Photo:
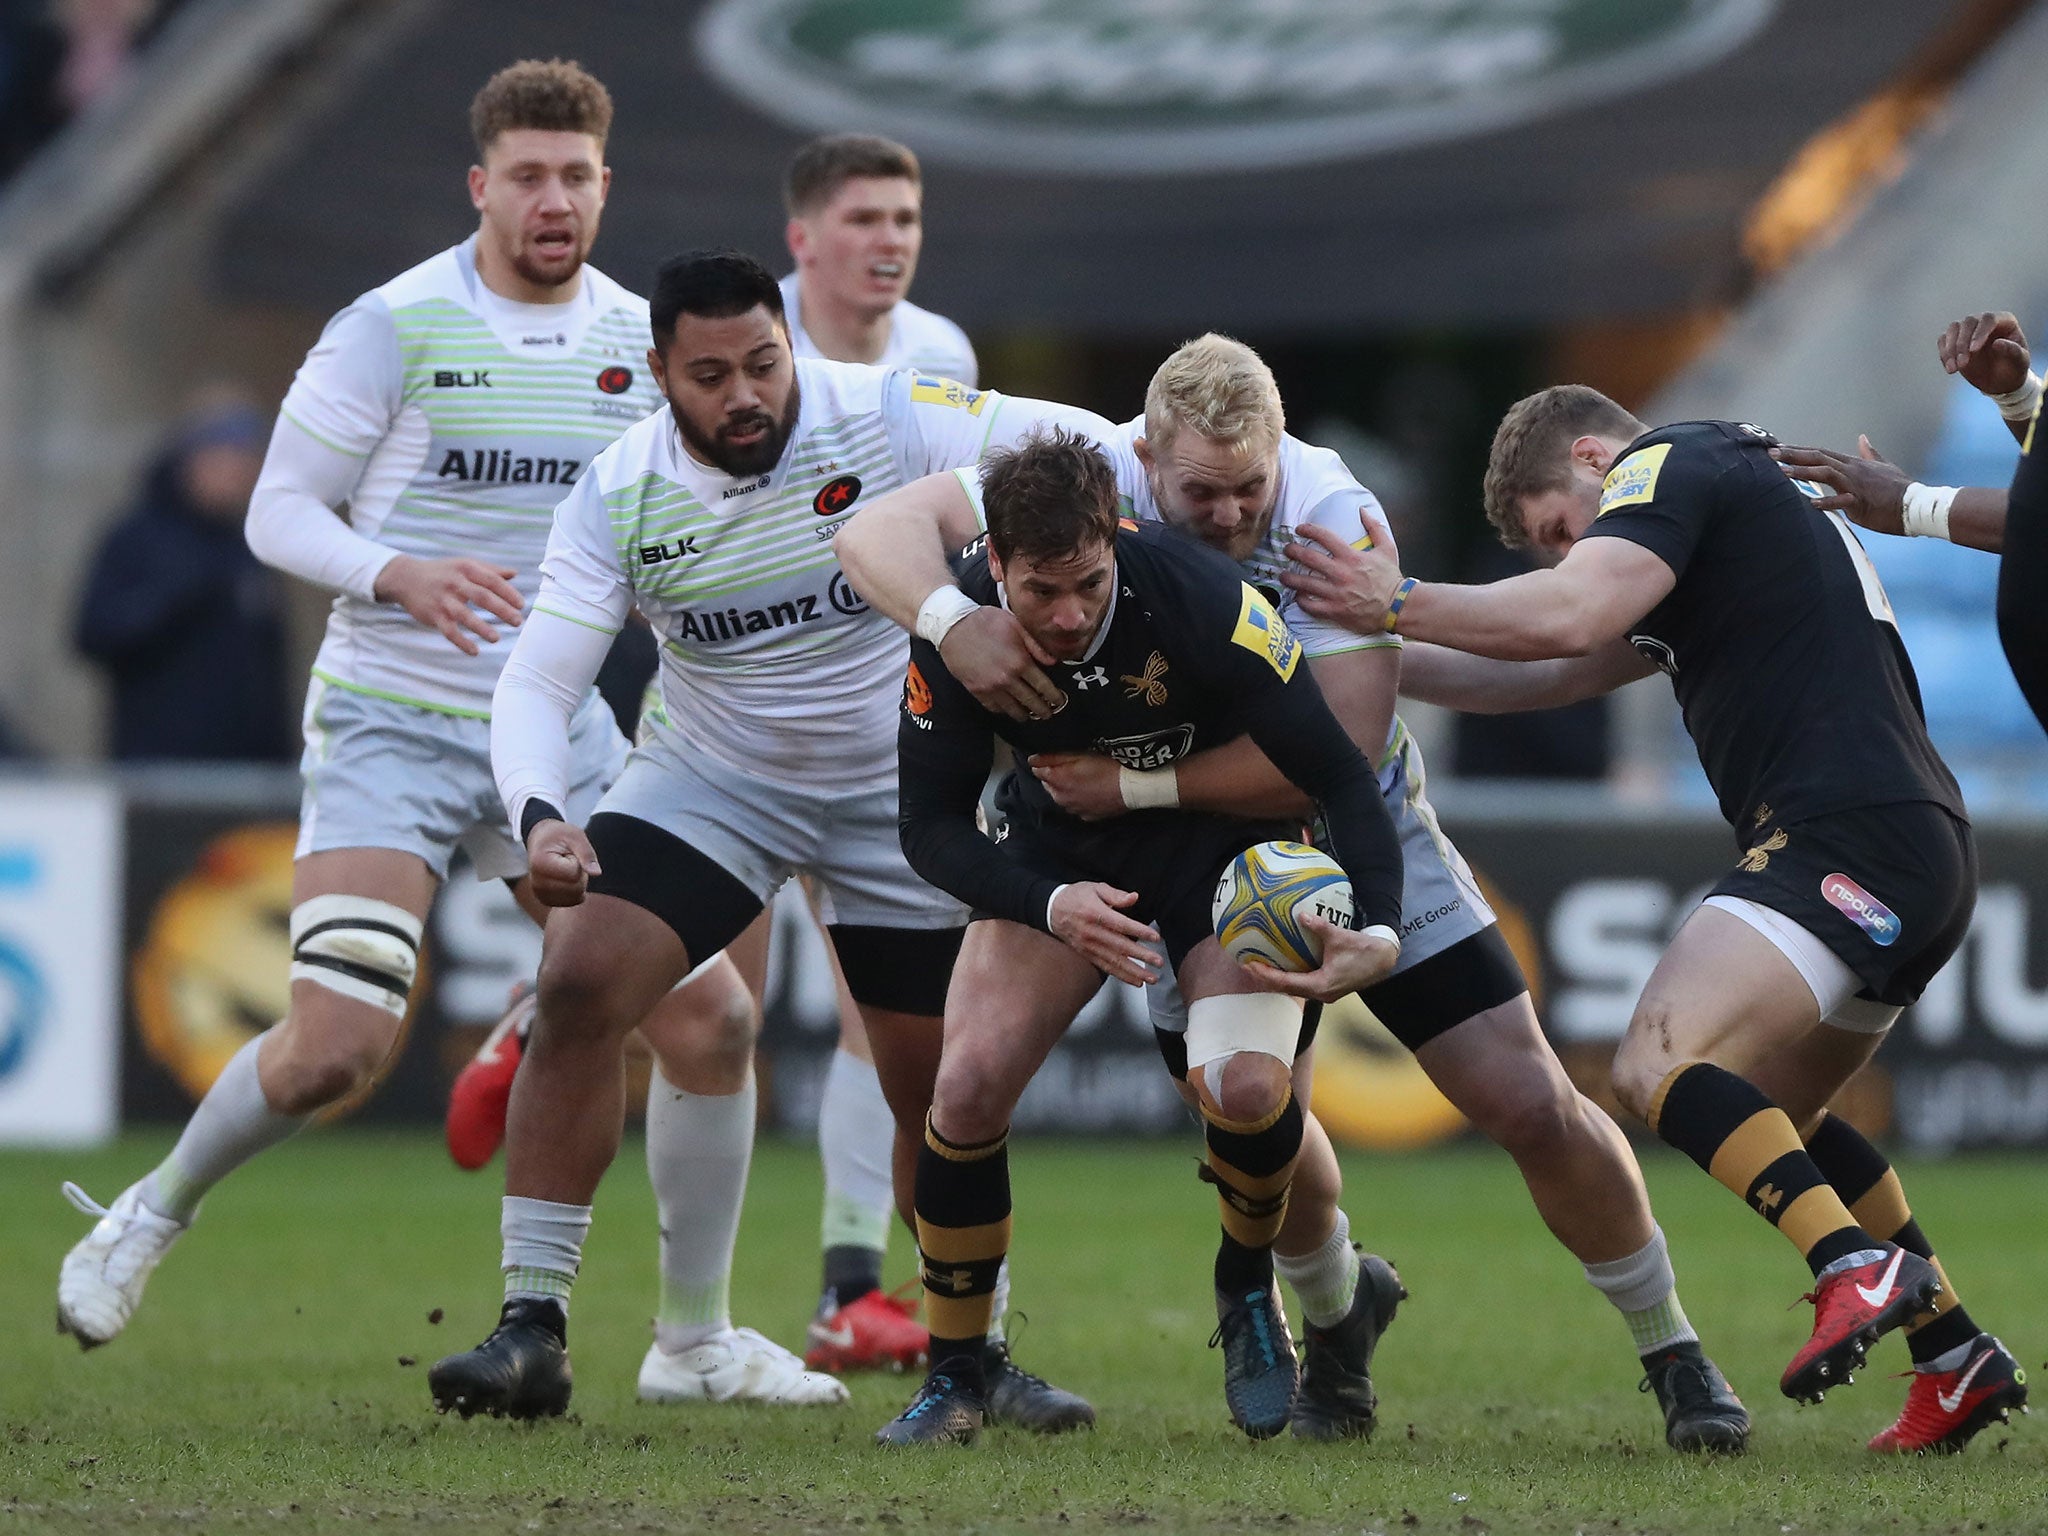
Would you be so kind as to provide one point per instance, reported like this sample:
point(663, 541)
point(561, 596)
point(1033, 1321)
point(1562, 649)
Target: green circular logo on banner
point(1113, 87)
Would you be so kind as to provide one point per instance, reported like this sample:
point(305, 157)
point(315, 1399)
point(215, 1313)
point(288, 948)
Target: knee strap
point(1266, 1022)
point(359, 947)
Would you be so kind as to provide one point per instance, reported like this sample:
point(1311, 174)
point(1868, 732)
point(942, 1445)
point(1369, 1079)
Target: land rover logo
point(1105, 87)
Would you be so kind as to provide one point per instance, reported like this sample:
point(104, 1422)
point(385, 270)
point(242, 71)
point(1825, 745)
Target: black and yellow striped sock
point(963, 1231)
point(1870, 1188)
point(1726, 1125)
point(1251, 1163)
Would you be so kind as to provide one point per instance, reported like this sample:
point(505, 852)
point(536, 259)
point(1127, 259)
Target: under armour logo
point(955, 1280)
point(1094, 677)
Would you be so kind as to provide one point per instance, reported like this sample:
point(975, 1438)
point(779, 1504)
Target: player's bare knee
point(1246, 1086)
point(1642, 1061)
point(580, 998)
point(317, 1060)
point(1241, 1052)
point(1530, 1116)
point(970, 1102)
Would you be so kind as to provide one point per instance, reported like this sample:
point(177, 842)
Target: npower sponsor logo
point(1112, 88)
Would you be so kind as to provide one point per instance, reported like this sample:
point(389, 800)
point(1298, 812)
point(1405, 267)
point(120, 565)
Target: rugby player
point(1689, 550)
point(770, 758)
point(855, 205)
point(1152, 641)
point(1212, 457)
point(448, 409)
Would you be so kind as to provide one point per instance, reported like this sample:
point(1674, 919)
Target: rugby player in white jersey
point(449, 410)
point(1211, 456)
point(773, 757)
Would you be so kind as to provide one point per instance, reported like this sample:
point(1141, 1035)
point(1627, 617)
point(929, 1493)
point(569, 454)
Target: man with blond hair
point(450, 409)
point(1212, 457)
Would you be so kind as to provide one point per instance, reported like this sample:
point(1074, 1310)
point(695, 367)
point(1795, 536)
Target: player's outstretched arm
point(1875, 493)
point(1480, 685)
point(894, 553)
point(1989, 351)
point(1591, 597)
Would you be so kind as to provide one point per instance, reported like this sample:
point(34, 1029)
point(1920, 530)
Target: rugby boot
point(1335, 1400)
point(520, 1372)
point(1017, 1398)
point(1259, 1369)
point(1945, 1408)
point(949, 1409)
point(482, 1090)
point(1701, 1411)
point(874, 1332)
point(1852, 1308)
point(100, 1283)
point(735, 1365)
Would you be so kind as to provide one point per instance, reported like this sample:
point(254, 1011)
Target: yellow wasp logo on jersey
point(1634, 480)
point(1264, 633)
point(925, 390)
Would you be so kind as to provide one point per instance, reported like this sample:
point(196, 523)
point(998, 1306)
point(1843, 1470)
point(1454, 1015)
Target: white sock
point(232, 1124)
point(856, 1140)
point(543, 1247)
point(1001, 1301)
point(1645, 1291)
point(1326, 1281)
point(698, 1149)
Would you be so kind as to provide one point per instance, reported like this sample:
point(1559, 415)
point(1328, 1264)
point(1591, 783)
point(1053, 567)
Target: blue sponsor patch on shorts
point(1862, 909)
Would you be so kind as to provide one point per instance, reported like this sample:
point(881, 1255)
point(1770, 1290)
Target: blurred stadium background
point(1418, 211)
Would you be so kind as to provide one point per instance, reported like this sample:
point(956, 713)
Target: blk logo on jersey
point(1862, 909)
point(476, 378)
point(663, 552)
point(615, 380)
point(836, 495)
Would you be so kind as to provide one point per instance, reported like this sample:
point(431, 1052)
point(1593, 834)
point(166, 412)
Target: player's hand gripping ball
point(1267, 890)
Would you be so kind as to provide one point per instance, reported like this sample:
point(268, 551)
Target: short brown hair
point(557, 96)
point(823, 166)
point(1532, 449)
point(1050, 497)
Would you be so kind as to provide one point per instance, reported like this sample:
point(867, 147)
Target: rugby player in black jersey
point(1157, 649)
point(1689, 550)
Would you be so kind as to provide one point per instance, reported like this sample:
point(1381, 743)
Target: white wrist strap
point(2020, 403)
point(1924, 512)
point(1149, 789)
point(940, 611)
point(1055, 896)
point(1382, 931)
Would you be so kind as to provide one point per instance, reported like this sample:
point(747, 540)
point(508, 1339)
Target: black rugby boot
point(949, 1409)
point(1259, 1369)
point(1018, 1398)
point(520, 1372)
point(1701, 1411)
point(1336, 1400)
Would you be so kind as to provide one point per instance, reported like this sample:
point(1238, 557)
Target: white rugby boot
point(736, 1365)
point(100, 1284)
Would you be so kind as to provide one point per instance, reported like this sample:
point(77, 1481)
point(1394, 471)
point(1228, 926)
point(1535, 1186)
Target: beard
point(545, 272)
point(743, 460)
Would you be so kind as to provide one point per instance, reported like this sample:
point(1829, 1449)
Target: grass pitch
point(276, 1376)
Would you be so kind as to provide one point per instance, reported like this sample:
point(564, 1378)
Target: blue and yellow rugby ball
point(1267, 890)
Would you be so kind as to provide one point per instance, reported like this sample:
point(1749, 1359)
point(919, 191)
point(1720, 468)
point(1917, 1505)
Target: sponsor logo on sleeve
point(1264, 633)
point(925, 390)
point(1633, 481)
point(1862, 909)
point(917, 695)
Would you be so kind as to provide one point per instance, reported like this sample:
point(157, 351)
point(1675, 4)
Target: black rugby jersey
point(2023, 572)
point(1778, 638)
point(1189, 657)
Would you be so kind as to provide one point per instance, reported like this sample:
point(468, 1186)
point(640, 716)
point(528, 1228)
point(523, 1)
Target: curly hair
point(1050, 497)
point(555, 96)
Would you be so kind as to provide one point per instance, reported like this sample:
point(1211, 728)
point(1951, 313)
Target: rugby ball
point(1267, 890)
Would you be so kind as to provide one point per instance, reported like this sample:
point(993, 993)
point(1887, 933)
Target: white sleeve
point(549, 671)
point(584, 598)
point(292, 522)
point(341, 404)
point(937, 424)
point(1343, 513)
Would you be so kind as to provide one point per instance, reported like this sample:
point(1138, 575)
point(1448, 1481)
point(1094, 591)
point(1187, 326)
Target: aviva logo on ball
point(1266, 892)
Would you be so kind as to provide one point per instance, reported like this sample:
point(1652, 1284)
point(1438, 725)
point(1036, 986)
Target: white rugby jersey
point(472, 415)
point(770, 663)
point(918, 339)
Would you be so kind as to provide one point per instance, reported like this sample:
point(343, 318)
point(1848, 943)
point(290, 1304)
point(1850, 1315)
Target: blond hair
point(1218, 388)
point(1532, 449)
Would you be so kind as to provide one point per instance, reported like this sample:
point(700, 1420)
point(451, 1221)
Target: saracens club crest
point(836, 495)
